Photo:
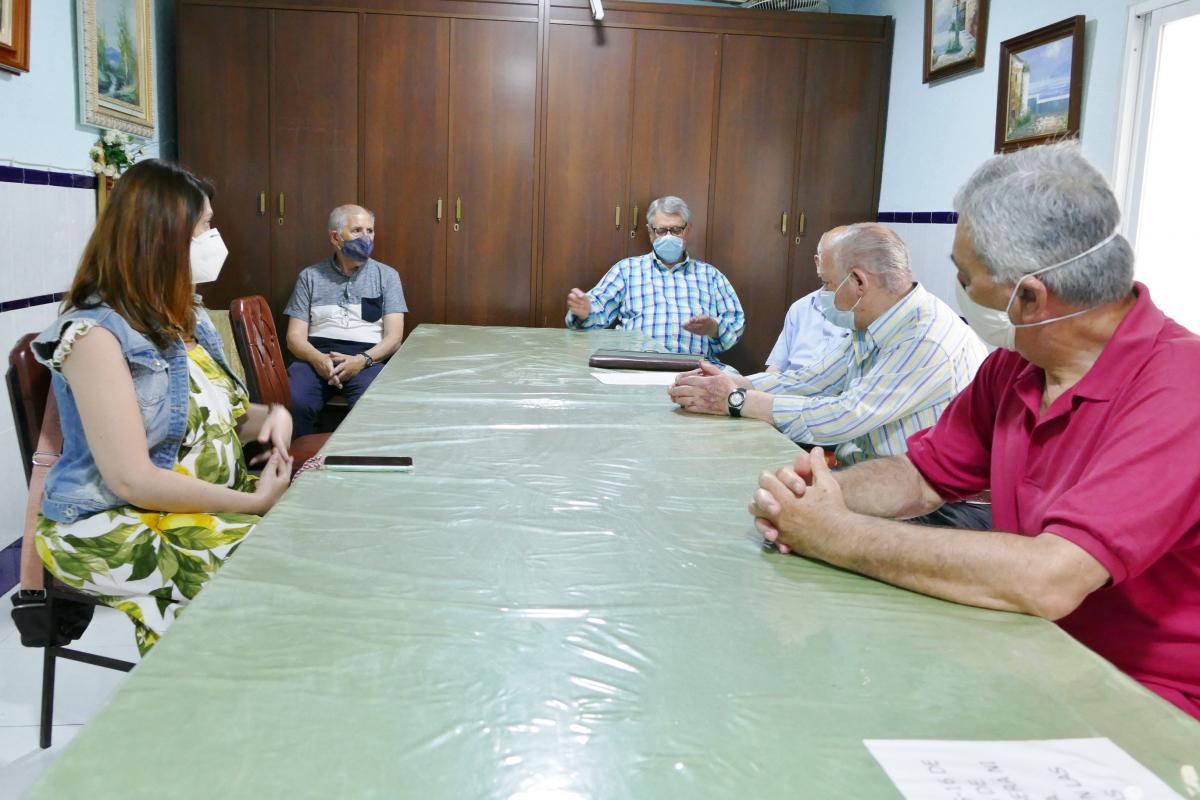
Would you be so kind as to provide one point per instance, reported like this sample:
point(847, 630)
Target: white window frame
point(1133, 120)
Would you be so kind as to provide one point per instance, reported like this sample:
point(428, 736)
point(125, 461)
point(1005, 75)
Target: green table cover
point(567, 599)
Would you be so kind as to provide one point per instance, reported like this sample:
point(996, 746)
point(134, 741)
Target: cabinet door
point(674, 80)
point(493, 75)
point(586, 218)
point(314, 137)
point(404, 153)
point(222, 94)
point(840, 139)
point(749, 235)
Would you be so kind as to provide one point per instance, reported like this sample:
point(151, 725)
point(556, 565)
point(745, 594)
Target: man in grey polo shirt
point(347, 316)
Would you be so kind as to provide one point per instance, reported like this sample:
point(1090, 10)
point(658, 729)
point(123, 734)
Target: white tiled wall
point(929, 248)
point(43, 230)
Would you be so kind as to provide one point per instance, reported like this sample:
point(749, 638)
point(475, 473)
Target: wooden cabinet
point(493, 76)
point(223, 67)
point(510, 147)
point(675, 78)
point(314, 137)
point(405, 145)
point(753, 215)
point(587, 216)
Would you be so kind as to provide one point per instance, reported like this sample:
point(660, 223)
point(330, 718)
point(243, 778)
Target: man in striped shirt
point(683, 305)
point(908, 354)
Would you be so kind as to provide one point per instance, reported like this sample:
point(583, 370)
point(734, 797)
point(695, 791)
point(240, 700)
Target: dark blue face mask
point(358, 249)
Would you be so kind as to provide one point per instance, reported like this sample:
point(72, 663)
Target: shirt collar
point(682, 265)
point(1131, 344)
point(337, 268)
point(897, 318)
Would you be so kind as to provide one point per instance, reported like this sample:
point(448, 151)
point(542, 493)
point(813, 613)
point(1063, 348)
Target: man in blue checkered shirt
point(683, 305)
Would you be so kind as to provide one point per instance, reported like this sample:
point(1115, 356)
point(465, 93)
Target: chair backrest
point(28, 387)
point(259, 350)
point(220, 321)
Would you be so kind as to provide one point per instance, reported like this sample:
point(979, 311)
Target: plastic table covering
point(567, 599)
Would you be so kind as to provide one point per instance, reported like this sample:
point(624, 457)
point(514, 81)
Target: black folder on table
point(637, 359)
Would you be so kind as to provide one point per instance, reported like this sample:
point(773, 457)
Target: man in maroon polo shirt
point(1082, 424)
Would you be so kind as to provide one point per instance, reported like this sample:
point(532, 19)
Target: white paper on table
point(1051, 769)
point(635, 377)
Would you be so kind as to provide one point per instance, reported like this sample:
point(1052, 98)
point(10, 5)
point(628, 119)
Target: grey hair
point(339, 216)
point(878, 250)
point(669, 205)
point(1042, 205)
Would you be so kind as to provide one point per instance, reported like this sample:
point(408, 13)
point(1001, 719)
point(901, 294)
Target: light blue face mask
point(669, 248)
point(843, 319)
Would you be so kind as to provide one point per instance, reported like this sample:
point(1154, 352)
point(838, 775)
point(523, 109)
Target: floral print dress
point(149, 564)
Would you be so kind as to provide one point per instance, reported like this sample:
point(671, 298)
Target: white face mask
point(993, 325)
point(841, 318)
point(208, 256)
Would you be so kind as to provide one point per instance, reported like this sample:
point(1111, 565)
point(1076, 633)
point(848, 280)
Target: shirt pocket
point(150, 378)
point(372, 309)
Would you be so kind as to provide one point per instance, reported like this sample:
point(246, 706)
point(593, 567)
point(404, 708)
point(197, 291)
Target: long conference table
point(567, 599)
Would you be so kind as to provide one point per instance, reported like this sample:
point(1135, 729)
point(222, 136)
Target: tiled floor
point(81, 690)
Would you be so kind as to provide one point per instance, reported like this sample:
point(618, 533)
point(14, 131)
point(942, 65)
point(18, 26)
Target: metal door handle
point(439, 210)
point(783, 224)
point(281, 208)
point(262, 204)
point(633, 227)
point(457, 212)
point(801, 224)
point(618, 216)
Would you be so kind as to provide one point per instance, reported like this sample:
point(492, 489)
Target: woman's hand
point(276, 430)
point(273, 482)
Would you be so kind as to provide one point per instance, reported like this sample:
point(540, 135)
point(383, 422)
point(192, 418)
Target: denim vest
point(74, 487)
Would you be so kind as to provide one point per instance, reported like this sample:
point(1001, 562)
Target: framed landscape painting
point(955, 37)
point(14, 35)
point(1041, 86)
point(116, 65)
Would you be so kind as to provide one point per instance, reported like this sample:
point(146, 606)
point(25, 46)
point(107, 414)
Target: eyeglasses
point(674, 230)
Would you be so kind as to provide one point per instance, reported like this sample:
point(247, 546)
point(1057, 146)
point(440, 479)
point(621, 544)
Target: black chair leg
point(47, 724)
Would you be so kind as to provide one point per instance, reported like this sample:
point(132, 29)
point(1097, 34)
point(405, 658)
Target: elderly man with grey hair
point(682, 304)
point(907, 355)
point(346, 318)
point(1078, 424)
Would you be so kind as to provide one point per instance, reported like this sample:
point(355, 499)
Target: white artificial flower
point(110, 136)
point(97, 167)
point(110, 171)
point(95, 151)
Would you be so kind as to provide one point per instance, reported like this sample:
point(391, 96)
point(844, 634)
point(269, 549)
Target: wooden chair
point(28, 389)
point(266, 373)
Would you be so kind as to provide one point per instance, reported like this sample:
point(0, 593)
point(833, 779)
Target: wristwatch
point(737, 399)
point(370, 361)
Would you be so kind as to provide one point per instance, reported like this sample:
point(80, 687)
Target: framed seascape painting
point(116, 65)
point(14, 35)
point(1041, 86)
point(955, 37)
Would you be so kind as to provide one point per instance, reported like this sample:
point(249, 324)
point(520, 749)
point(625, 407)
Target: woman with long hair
point(152, 492)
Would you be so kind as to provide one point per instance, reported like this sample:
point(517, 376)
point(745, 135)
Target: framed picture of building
point(955, 37)
point(14, 35)
point(1041, 86)
point(116, 65)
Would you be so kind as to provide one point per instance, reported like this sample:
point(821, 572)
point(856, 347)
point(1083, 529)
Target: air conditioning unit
point(782, 5)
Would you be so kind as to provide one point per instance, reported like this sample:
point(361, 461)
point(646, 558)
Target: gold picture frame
point(116, 65)
point(14, 35)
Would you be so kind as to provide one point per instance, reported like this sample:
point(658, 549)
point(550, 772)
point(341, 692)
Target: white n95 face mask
point(208, 256)
point(994, 326)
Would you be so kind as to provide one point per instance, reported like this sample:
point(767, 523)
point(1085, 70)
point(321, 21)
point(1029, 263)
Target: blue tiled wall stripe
point(44, 177)
point(919, 217)
point(30, 302)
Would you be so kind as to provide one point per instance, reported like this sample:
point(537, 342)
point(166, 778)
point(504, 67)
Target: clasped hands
point(795, 507)
point(338, 368)
point(276, 432)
